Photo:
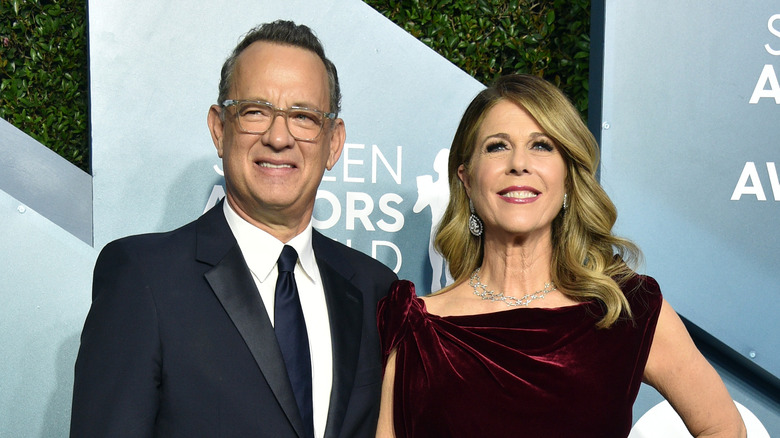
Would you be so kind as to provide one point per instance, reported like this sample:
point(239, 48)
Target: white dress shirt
point(261, 251)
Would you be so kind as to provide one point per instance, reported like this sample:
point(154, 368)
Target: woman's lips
point(519, 194)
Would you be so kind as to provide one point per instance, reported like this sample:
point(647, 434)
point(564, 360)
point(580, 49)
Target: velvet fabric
point(523, 372)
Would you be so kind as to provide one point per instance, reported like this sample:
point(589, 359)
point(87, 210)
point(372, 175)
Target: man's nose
point(278, 136)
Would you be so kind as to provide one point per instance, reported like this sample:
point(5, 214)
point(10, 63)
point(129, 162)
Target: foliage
point(44, 70)
point(43, 73)
point(490, 38)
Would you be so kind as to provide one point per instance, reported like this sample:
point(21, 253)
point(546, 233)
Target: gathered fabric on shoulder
point(522, 372)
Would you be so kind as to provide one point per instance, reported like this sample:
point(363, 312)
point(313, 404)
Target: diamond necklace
point(481, 290)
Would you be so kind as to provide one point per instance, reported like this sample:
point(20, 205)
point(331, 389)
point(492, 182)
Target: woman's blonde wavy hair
point(588, 261)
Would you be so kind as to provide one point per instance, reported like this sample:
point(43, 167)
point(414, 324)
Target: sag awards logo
point(767, 87)
point(435, 195)
point(362, 213)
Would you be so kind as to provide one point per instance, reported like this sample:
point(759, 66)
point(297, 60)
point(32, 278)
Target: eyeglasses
point(256, 117)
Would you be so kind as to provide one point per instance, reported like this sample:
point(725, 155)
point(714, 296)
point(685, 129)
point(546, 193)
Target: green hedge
point(490, 38)
point(43, 73)
point(44, 76)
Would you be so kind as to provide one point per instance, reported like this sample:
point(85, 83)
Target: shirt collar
point(261, 250)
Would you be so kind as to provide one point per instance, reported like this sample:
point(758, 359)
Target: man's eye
point(255, 111)
point(304, 118)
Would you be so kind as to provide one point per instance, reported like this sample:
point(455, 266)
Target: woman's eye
point(495, 147)
point(542, 146)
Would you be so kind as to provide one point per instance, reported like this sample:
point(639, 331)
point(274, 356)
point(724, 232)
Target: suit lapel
point(233, 285)
point(345, 313)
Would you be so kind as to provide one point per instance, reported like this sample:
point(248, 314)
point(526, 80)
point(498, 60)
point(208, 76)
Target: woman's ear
point(463, 176)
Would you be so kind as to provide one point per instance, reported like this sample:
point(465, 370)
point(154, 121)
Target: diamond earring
point(565, 201)
point(475, 223)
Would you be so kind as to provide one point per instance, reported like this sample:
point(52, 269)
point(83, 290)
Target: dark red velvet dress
point(523, 372)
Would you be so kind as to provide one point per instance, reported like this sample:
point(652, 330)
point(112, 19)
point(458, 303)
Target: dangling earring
point(475, 223)
point(565, 201)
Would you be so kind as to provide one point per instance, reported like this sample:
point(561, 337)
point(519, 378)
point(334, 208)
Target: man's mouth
point(275, 166)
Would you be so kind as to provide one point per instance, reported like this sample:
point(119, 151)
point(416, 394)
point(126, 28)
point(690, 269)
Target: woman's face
point(517, 174)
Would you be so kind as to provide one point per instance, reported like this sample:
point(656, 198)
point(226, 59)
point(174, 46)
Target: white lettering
point(770, 167)
point(767, 75)
point(384, 205)
point(376, 153)
point(335, 211)
point(347, 162)
point(774, 31)
point(749, 172)
point(354, 213)
point(398, 258)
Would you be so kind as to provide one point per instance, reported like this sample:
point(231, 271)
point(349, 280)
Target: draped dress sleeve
point(393, 314)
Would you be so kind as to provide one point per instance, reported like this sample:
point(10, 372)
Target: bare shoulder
point(435, 302)
point(455, 300)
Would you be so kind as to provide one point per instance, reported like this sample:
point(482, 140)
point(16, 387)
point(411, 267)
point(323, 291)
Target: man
point(196, 332)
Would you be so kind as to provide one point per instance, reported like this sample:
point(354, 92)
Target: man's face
point(271, 178)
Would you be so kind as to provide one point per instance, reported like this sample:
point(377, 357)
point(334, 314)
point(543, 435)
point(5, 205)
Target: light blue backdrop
point(678, 130)
point(155, 69)
point(154, 72)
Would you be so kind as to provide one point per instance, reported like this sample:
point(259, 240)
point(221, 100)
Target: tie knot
point(287, 259)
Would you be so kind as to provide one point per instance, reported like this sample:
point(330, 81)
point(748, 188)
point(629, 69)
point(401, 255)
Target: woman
point(546, 331)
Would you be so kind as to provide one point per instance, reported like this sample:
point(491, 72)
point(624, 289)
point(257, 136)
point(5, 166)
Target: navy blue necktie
point(290, 329)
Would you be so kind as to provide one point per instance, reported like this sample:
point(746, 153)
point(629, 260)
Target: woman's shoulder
point(643, 293)
point(400, 301)
point(402, 293)
point(640, 282)
point(394, 312)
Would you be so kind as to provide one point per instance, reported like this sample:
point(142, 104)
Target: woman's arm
point(385, 427)
point(683, 376)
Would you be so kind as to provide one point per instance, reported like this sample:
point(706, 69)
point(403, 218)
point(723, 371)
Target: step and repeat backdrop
point(689, 132)
point(154, 71)
point(690, 140)
point(154, 161)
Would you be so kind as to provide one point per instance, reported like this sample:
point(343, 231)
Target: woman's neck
point(519, 266)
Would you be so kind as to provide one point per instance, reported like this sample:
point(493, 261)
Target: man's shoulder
point(336, 253)
point(351, 263)
point(154, 246)
point(209, 223)
point(155, 239)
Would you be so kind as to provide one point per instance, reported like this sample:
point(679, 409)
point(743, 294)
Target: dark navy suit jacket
point(177, 342)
